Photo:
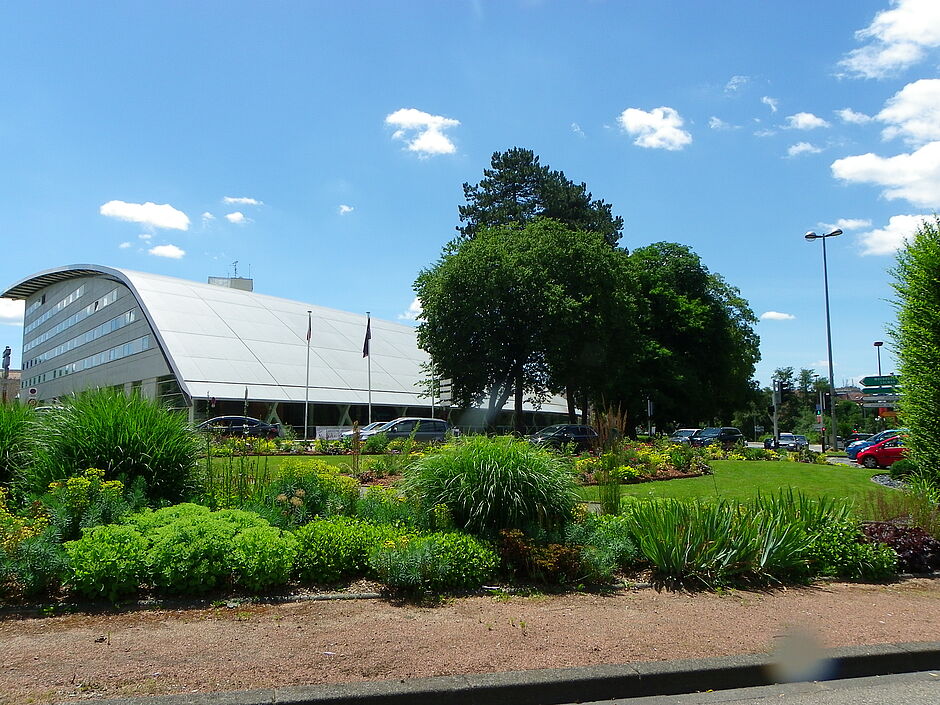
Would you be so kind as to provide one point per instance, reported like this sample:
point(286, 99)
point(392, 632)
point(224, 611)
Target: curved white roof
point(219, 340)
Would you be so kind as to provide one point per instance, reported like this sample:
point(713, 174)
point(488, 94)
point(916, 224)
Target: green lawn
point(273, 463)
point(743, 479)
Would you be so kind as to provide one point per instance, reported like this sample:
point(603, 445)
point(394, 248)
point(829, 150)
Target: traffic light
point(786, 388)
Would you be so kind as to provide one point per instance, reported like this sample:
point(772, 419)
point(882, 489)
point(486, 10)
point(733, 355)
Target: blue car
point(856, 447)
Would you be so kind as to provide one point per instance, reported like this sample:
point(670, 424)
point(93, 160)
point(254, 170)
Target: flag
point(365, 343)
point(309, 326)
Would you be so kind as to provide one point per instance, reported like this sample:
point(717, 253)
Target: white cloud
point(891, 238)
point(576, 128)
point(11, 312)
point(717, 123)
point(736, 83)
point(344, 209)
point(170, 251)
point(413, 313)
point(899, 38)
point(776, 316)
point(846, 224)
point(157, 216)
point(915, 177)
point(207, 216)
point(802, 148)
point(125, 245)
point(913, 113)
point(659, 128)
point(766, 132)
point(144, 236)
point(772, 103)
point(423, 132)
point(237, 217)
point(242, 201)
point(852, 117)
point(805, 121)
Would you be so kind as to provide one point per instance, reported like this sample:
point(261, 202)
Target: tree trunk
point(499, 394)
point(572, 412)
point(519, 425)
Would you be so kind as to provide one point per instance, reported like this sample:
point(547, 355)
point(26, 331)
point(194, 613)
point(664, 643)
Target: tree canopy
point(518, 189)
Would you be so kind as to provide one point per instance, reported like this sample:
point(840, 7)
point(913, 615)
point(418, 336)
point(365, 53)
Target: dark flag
point(365, 344)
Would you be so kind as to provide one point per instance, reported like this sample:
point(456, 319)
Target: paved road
point(905, 689)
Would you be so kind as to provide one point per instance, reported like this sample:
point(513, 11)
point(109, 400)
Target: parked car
point(853, 449)
point(363, 429)
point(584, 437)
point(793, 442)
point(427, 429)
point(883, 453)
point(683, 435)
point(851, 438)
point(727, 436)
point(240, 426)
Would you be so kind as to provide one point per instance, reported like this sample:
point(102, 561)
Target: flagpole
point(307, 385)
point(368, 338)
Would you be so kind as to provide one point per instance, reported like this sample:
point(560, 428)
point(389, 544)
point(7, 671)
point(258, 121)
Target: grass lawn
point(273, 463)
point(743, 479)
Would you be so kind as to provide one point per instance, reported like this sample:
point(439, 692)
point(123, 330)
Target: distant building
point(9, 387)
point(219, 348)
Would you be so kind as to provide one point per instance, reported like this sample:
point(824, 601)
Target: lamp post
point(810, 236)
point(878, 344)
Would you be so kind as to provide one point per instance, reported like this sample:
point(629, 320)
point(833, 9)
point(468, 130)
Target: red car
point(881, 455)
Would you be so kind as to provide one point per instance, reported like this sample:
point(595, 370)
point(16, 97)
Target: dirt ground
point(114, 654)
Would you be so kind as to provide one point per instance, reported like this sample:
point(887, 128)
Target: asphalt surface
point(842, 676)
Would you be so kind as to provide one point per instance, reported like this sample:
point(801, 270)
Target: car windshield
point(683, 433)
point(709, 432)
point(550, 430)
point(800, 438)
point(787, 436)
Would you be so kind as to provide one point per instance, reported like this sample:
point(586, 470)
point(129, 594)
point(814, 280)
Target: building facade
point(220, 348)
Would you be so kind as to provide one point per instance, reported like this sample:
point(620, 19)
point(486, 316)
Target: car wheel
point(870, 462)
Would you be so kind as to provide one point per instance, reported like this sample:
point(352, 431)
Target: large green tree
point(519, 311)
point(698, 347)
point(917, 337)
point(517, 189)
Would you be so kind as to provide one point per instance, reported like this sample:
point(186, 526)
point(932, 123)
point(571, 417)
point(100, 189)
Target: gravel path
point(114, 654)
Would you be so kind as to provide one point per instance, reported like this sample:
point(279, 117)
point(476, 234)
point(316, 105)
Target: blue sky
point(323, 145)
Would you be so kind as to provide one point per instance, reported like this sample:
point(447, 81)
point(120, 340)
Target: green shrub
point(87, 500)
point(37, 565)
point(107, 562)
point(545, 562)
point(840, 551)
point(434, 563)
point(606, 546)
point(489, 484)
point(376, 443)
point(126, 436)
point(14, 439)
point(386, 505)
point(262, 557)
point(191, 554)
point(330, 550)
point(304, 492)
point(902, 469)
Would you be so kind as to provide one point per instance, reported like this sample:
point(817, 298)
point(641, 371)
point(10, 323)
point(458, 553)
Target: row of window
point(97, 332)
point(78, 317)
point(116, 353)
point(55, 309)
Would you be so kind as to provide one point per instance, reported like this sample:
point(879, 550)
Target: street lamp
point(810, 236)
point(878, 344)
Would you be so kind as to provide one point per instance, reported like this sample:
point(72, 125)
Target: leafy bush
point(190, 554)
point(15, 528)
point(330, 550)
point(386, 505)
point(902, 469)
point(262, 557)
point(88, 500)
point(14, 439)
point(490, 484)
point(376, 443)
point(126, 436)
point(107, 562)
point(303, 492)
point(548, 562)
point(606, 546)
point(839, 550)
point(37, 565)
point(434, 563)
point(918, 551)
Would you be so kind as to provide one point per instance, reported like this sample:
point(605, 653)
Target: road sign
point(886, 399)
point(878, 391)
point(875, 404)
point(879, 381)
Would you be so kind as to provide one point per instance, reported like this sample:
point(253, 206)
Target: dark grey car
point(427, 429)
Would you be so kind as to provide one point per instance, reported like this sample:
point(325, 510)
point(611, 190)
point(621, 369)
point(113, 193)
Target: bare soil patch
point(160, 651)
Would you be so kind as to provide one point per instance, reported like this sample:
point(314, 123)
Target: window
point(105, 300)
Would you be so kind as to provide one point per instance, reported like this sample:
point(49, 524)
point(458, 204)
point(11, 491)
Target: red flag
point(365, 344)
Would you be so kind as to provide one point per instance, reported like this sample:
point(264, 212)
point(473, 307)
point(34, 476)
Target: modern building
point(221, 348)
